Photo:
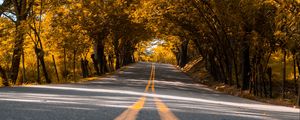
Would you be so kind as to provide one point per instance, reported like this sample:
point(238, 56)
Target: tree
point(18, 12)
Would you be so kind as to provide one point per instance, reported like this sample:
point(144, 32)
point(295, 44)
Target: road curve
point(143, 91)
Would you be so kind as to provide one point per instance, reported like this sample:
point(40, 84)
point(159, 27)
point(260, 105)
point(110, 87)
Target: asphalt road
point(143, 91)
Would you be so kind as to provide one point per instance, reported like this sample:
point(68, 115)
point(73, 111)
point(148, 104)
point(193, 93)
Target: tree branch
point(9, 17)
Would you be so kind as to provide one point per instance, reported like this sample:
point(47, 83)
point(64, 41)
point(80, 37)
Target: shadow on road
point(107, 97)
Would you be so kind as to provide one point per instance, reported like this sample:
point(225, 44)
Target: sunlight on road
point(139, 104)
point(176, 102)
point(164, 111)
point(131, 113)
point(120, 102)
point(130, 102)
point(245, 105)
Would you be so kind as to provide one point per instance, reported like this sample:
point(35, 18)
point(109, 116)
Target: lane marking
point(163, 110)
point(153, 77)
point(132, 112)
point(150, 78)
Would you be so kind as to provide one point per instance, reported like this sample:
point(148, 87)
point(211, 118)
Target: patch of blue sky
point(154, 43)
point(10, 16)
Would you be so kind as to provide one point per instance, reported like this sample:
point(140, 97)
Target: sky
point(11, 15)
point(154, 43)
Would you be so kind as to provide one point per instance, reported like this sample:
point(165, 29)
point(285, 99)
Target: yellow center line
point(164, 111)
point(153, 77)
point(132, 112)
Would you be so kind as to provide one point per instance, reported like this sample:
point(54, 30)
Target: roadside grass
point(196, 69)
point(70, 79)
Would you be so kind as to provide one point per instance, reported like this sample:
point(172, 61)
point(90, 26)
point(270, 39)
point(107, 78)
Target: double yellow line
point(132, 112)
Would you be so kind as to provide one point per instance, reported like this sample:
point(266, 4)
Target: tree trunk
point(178, 58)
point(298, 65)
point(298, 93)
point(38, 70)
point(117, 60)
point(23, 70)
point(261, 81)
point(125, 58)
point(229, 73)
point(269, 72)
point(40, 55)
point(101, 56)
point(17, 52)
point(4, 77)
point(95, 62)
point(236, 74)
point(116, 50)
point(54, 64)
point(65, 65)
point(132, 57)
point(264, 84)
point(86, 67)
point(128, 55)
point(45, 70)
point(295, 74)
point(111, 62)
point(74, 65)
point(21, 16)
point(82, 68)
point(284, 74)
point(106, 66)
point(246, 67)
point(183, 54)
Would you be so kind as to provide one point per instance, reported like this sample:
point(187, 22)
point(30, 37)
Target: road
point(142, 91)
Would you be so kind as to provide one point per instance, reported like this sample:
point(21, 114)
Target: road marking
point(163, 110)
point(153, 77)
point(132, 112)
point(150, 78)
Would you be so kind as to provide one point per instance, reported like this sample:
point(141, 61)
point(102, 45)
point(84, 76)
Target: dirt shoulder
point(196, 70)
